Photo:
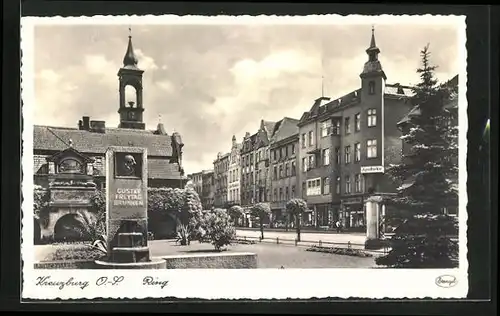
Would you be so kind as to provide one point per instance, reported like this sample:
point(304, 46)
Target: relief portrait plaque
point(128, 165)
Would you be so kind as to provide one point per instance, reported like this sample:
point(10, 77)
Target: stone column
point(372, 222)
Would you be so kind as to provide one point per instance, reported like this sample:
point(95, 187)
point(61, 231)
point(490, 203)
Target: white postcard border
point(227, 283)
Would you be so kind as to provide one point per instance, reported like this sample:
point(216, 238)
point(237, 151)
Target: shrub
point(219, 228)
point(41, 200)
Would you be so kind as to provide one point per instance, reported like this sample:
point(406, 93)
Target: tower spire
point(130, 59)
point(373, 50)
point(372, 66)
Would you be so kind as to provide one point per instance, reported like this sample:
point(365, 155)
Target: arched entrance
point(37, 232)
point(69, 228)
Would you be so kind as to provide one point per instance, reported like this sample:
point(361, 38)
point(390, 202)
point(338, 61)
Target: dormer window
point(70, 165)
point(371, 87)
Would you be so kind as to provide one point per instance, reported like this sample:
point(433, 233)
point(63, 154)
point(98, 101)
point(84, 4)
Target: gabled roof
point(58, 138)
point(285, 128)
point(70, 151)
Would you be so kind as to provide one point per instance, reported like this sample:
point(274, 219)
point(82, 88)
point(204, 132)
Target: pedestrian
point(337, 224)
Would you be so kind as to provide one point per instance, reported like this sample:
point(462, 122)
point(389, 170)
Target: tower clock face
point(131, 115)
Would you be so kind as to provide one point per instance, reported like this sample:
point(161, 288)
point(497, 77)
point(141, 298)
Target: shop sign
point(372, 169)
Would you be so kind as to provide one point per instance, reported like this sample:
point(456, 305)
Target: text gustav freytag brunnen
point(103, 281)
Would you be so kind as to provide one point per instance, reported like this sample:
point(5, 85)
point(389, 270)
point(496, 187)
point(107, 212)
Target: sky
point(210, 82)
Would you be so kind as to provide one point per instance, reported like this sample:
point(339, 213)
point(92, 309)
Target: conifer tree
point(427, 179)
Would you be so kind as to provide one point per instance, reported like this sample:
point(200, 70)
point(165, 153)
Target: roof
point(58, 138)
point(399, 90)
point(285, 128)
point(269, 127)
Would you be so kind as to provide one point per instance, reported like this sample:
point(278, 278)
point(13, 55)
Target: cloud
point(210, 82)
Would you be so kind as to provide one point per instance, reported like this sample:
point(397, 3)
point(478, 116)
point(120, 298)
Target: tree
point(427, 179)
point(235, 212)
point(261, 211)
point(296, 207)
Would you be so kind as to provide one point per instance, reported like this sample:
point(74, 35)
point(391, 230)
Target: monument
point(126, 211)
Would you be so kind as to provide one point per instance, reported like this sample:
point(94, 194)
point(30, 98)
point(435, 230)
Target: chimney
point(98, 126)
point(86, 123)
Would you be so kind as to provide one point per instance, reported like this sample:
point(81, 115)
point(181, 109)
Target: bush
point(219, 228)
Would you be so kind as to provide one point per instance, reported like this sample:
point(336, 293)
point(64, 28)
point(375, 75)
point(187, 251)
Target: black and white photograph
point(279, 150)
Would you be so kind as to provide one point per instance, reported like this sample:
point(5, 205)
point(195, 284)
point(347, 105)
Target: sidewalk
point(302, 230)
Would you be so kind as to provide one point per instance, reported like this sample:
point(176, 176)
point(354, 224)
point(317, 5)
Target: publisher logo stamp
point(446, 281)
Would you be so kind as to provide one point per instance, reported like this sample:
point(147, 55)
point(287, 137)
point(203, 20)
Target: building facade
point(234, 173)
point(283, 161)
point(221, 172)
point(255, 175)
point(346, 143)
point(208, 189)
point(69, 161)
point(197, 182)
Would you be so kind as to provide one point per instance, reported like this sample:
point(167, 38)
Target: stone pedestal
point(126, 210)
point(373, 206)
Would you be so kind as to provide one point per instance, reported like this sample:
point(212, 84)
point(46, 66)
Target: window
point(326, 127)
point(371, 148)
point(275, 197)
point(372, 117)
point(337, 185)
point(287, 169)
point(293, 149)
point(347, 125)
point(357, 183)
point(281, 171)
point(310, 164)
point(357, 122)
point(304, 189)
point(287, 193)
point(347, 157)
point(371, 87)
point(293, 191)
point(314, 187)
point(281, 194)
point(336, 127)
point(311, 138)
point(304, 164)
point(294, 171)
point(337, 155)
point(357, 152)
point(274, 155)
point(326, 185)
point(303, 140)
point(347, 184)
point(326, 156)
point(275, 173)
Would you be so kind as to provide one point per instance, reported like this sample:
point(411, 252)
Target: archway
point(69, 228)
point(162, 225)
point(37, 232)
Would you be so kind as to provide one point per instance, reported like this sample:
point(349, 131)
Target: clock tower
point(130, 75)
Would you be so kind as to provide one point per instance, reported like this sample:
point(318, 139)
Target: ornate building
point(70, 162)
point(233, 193)
point(345, 145)
point(255, 174)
